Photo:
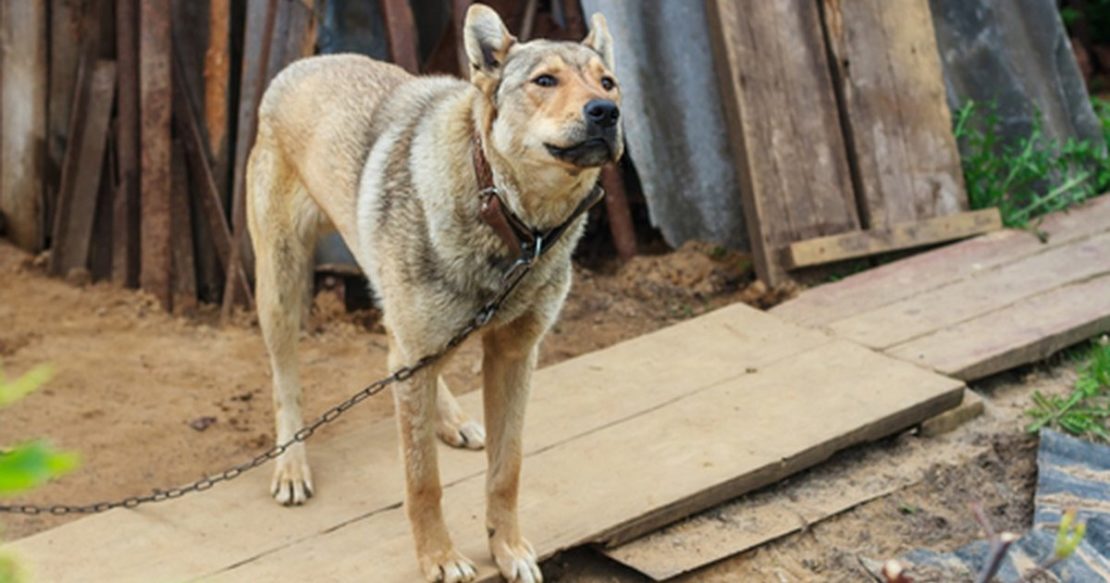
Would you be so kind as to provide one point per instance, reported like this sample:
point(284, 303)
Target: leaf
point(12, 391)
point(32, 464)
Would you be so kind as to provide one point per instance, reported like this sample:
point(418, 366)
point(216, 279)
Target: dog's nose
point(602, 112)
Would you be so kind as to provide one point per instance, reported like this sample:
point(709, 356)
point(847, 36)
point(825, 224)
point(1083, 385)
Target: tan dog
point(384, 158)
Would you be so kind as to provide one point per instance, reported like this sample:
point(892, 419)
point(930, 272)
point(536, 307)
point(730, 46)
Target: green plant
point(26, 465)
point(1086, 410)
point(1032, 177)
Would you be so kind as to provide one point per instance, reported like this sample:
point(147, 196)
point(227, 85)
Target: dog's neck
point(540, 195)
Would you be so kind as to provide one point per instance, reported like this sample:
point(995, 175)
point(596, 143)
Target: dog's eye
point(607, 83)
point(546, 81)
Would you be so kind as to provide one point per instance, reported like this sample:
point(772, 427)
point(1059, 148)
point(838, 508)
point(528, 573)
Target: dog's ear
point(600, 40)
point(486, 39)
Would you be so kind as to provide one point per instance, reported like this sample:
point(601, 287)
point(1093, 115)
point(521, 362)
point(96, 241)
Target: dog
point(394, 164)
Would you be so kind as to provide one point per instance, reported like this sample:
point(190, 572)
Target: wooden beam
point(69, 35)
point(23, 107)
point(892, 238)
point(401, 29)
point(783, 125)
point(83, 169)
point(184, 267)
point(217, 87)
point(155, 99)
point(125, 216)
point(620, 218)
point(887, 72)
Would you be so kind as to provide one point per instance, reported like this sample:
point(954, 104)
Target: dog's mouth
point(586, 154)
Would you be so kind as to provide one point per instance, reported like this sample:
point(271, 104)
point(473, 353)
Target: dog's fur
point(384, 158)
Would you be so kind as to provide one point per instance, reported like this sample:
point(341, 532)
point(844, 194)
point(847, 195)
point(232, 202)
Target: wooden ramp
point(618, 442)
point(981, 306)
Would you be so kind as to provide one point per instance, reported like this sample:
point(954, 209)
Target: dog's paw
point(447, 567)
point(516, 560)
point(292, 484)
point(464, 433)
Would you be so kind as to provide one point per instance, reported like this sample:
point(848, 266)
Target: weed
point(1086, 410)
point(1034, 176)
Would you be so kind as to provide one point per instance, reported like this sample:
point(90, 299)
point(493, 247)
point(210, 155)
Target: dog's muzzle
point(601, 129)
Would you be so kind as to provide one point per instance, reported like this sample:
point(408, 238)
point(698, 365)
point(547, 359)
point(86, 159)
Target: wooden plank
point(100, 244)
point(69, 38)
point(23, 107)
point(895, 281)
point(208, 201)
point(846, 481)
point(896, 115)
point(989, 291)
point(783, 126)
point(217, 88)
point(184, 266)
point(1024, 332)
point(620, 217)
point(77, 201)
point(401, 30)
point(358, 470)
point(892, 238)
point(257, 42)
point(155, 99)
point(125, 218)
point(638, 474)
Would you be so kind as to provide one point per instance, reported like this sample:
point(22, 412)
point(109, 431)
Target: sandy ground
point(150, 400)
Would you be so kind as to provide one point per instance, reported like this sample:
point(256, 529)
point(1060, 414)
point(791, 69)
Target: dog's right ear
point(487, 41)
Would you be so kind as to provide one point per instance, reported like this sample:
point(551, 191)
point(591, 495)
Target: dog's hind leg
point(455, 427)
point(283, 222)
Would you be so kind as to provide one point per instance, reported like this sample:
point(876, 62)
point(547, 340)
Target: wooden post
point(155, 98)
point(217, 83)
point(68, 36)
point(261, 15)
point(620, 218)
point(23, 107)
point(458, 18)
point(125, 212)
point(401, 29)
point(184, 267)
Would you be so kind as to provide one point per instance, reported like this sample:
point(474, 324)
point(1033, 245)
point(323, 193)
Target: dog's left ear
point(600, 40)
point(487, 41)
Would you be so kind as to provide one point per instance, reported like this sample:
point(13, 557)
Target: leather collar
point(524, 242)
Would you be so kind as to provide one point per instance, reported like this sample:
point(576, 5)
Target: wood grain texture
point(23, 107)
point(900, 129)
point(1027, 331)
point(989, 291)
point(83, 171)
point(358, 471)
point(155, 99)
point(892, 238)
point(892, 282)
point(784, 126)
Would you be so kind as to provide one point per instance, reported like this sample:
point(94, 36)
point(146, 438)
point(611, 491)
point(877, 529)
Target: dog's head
point(553, 102)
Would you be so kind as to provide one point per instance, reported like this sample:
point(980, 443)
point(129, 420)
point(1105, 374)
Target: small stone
point(202, 423)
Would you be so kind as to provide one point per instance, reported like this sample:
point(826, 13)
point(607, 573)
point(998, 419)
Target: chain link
point(511, 279)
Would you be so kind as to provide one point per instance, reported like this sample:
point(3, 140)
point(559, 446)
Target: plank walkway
point(618, 442)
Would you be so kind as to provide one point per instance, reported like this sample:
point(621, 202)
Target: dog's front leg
point(415, 402)
point(508, 361)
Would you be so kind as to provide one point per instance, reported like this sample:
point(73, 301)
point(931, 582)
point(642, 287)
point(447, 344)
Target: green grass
point(1085, 412)
point(1034, 176)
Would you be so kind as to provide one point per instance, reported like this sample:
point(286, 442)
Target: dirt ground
point(150, 400)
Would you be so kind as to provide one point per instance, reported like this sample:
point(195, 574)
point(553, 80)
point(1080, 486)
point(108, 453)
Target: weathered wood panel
point(890, 283)
point(125, 218)
point(23, 107)
point(155, 98)
point(83, 170)
point(892, 237)
point(899, 126)
point(784, 126)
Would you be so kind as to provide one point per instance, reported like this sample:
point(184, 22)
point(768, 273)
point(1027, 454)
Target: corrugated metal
point(673, 120)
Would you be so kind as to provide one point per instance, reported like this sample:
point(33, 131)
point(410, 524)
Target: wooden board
point(896, 115)
point(638, 474)
point(892, 238)
point(184, 265)
point(125, 218)
point(794, 176)
point(23, 107)
point(884, 285)
point(1027, 331)
point(155, 99)
point(401, 31)
point(81, 180)
point(844, 482)
point(642, 395)
point(988, 291)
